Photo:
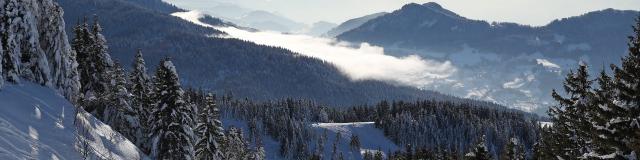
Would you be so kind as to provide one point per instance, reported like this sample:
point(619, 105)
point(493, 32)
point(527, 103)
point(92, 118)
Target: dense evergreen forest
point(427, 125)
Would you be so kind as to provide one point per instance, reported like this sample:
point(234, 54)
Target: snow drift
point(38, 123)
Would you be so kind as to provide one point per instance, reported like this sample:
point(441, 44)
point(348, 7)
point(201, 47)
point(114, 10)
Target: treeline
point(421, 127)
point(597, 118)
point(454, 127)
point(153, 112)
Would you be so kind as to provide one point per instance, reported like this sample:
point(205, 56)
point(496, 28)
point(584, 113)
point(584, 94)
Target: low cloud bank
point(365, 62)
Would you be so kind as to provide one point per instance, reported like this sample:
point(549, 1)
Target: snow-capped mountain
point(512, 64)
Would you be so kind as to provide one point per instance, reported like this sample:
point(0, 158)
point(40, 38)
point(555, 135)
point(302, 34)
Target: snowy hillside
point(371, 138)
point(37, 123)
point(507, 63)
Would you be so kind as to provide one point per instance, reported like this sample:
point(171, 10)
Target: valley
point(215, 80)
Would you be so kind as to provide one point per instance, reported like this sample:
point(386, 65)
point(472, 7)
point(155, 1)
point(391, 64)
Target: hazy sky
point(533, 12)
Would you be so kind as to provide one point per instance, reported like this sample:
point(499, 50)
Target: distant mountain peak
point(433, 5)
point(410, 5)
point(429, 5)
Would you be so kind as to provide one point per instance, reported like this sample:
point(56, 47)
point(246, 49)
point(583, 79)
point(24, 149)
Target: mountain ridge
point(352, 23)
point(500, 54)
point(225, 65)
point(417, 21)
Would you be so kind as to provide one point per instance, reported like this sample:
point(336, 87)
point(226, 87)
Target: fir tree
point(34, 46)
point(367, 155)
point(479, 152)
point(627, 89)
point(259, 154)
point(140, 88)
point(513, 150)
point(284, 148)
point(572, 115)
point(355, 143)
point(94, 67)
point(334, 151)
point(171, 134)
point(209, 131)
point(32, 62)
point(22, 55)
point(321, 144)
point(62, 59)
point(541, 149)
point(119, 113)
point(81, 43)
point(236, 146)
point(606, 137)
point(377, 156)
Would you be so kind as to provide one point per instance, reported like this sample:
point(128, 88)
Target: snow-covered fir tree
point(55, 44)
point(94, 66)
point(479, 151)
point(542, 149)
point(259, 154)
point(235, 146)
point(33, 46)
point(377, 156)
point(81, 44)
point(513, 150)
point(119, 113)
point(572, 115)
point(607, 140)
point(627, 89)
point(140, 88)
point(600, 123)
point(172, 135)
point(209, 131)
point(25, 58)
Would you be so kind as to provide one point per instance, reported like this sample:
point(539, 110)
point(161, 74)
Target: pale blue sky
point(532, 12)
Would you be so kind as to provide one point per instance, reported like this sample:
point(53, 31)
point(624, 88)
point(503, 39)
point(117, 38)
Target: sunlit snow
point(38, 123)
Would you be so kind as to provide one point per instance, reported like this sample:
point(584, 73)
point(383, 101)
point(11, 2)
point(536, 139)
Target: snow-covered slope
point(371, 138)
point(38, 123)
